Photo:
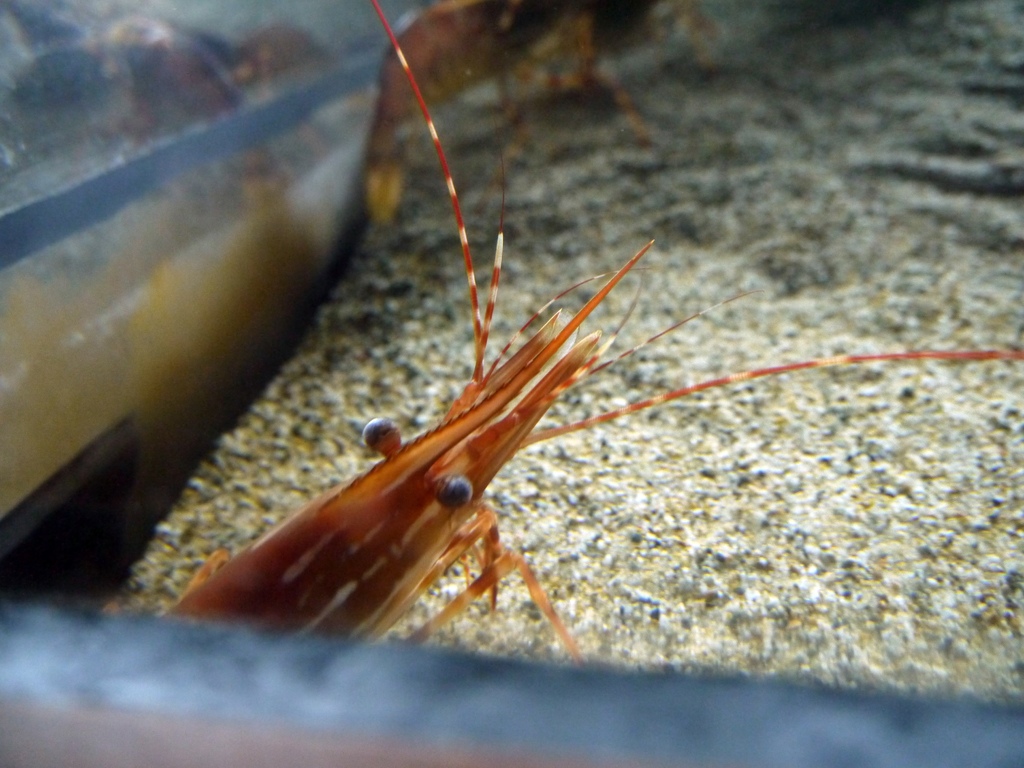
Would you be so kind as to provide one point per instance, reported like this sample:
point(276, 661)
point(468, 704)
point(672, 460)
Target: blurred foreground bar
point(92, 690)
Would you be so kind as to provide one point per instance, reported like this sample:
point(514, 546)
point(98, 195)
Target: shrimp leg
point(213, 564)
point(500, 563)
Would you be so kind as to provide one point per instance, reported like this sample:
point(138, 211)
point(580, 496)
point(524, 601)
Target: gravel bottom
point(861, 526)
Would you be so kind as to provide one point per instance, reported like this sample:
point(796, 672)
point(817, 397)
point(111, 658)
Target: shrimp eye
point(382, 436)
point(454, 491)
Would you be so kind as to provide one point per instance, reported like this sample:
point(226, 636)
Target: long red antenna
point(825, 362)
point(478, 328)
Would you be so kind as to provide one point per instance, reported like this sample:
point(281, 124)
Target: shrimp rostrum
point(353, 560)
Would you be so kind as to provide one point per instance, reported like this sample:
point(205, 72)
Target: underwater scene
point(828, 182)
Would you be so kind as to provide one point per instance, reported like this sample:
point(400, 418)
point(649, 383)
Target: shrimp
point(353, 560)
point(455, 44)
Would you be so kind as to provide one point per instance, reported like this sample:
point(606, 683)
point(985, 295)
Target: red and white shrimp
point(353, 560)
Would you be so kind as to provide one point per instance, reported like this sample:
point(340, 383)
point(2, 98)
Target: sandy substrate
point(861, 526)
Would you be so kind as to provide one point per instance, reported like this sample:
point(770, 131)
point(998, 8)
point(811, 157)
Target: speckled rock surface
point(861, 526)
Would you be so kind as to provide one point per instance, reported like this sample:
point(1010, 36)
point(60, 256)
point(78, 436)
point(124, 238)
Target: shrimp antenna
point(492, 296)
point(478, 328)
point(825, 362)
